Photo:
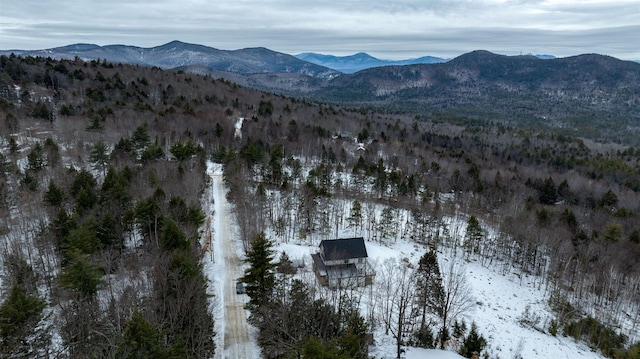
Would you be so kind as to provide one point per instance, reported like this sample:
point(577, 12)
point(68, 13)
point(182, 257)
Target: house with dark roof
point(342, 263)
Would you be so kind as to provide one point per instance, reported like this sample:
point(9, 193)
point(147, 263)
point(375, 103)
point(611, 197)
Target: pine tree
point(140, 137)
point(473, 236)
point(355, 216)
point(115, 188)
point(473, 342)
point(259, 277)
point(172, 237)
point(142, 340)
point(423, 338)
point(285, 265)
point(459, 328)
point(429, 285)
point(54, 195)
point(314, 348)
point(83, 239)
point(608, 200)
point(353, 342)
point(547, 193)
point(81, 276)
point(35, 158)
point(99, 156)
point(18, 315)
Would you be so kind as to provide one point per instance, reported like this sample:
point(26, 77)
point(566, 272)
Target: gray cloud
point(387, 29)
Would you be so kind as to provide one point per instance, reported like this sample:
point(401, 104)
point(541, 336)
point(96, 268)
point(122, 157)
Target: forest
point(103, 169)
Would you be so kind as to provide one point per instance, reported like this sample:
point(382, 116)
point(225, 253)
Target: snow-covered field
point(502, 299)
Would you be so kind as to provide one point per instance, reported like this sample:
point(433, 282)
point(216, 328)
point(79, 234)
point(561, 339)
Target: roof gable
point(341, 249)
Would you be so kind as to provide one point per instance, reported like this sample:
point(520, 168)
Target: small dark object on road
point(240, 288)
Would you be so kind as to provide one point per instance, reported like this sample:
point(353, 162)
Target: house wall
point(363, 277)
point(343, 261)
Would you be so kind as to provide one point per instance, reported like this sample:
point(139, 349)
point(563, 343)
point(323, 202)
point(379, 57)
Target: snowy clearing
point(502, 298)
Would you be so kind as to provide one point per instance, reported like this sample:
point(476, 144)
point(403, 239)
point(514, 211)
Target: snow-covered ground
point(235, 338)
point(500, 303)
point(502, 299)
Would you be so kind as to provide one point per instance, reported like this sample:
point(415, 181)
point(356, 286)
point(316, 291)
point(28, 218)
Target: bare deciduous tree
point(399, 315)
point(458, 297)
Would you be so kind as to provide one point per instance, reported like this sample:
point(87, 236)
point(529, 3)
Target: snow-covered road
point(234, 335)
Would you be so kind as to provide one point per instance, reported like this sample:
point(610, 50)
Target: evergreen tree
point(109, 232)
point(99, 156)
point(285, 265)
point(172, 237)
point(608, 200)
point(151, 153)
point(473, 342)
point(147, 216)
point(115, 188)
point(184, 151)
point(142, 340)
point(62, 225)
point(315, 348)
point(259, 277)
point(51, 152)
point(459, 328)
point(547, 193)
point(140, 137)
point(54, 195)
point(473, 235)
point(29, 181)
point(355, 216)
point(429, 285)
point(19, 314)
point(423, 338)
point(81, 276)
point(275, 175)
point(181, 304)
point(83, 191)
point(570, 219)
point(35, 158)
point(218, 130)
point(388, 223)
point(353, 342)
point(83, 239)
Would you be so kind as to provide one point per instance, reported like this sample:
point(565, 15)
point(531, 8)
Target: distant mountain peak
point(176, 43)
point(360, 61)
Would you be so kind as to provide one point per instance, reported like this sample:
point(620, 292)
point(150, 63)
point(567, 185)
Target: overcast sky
point(390, 29)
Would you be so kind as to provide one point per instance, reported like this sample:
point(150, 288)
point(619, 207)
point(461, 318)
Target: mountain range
point(590, 94)
point(180, 54)
point(585, 92)
point(361, 61)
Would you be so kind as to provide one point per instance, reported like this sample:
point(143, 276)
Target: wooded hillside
point(103, 165)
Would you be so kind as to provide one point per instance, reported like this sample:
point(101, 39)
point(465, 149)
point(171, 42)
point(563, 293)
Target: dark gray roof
point(340, 249)
point(322, 269)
